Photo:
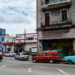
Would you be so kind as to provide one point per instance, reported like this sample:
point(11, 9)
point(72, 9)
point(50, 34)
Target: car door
point(73, 59)
point(41, 57)
point(46, 57)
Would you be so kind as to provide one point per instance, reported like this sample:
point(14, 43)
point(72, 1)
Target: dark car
point(1, 55)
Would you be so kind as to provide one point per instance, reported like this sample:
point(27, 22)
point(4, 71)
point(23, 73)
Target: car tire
point(69, 62)
point(50, 61)
point(34, 61)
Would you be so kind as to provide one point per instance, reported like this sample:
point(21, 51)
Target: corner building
point(56, 25)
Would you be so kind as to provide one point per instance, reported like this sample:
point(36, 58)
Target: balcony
point(61, 25)
point(55, 4)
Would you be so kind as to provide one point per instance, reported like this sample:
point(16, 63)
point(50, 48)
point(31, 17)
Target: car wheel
point(34, 61)
point(50, 61)
point(69, 62)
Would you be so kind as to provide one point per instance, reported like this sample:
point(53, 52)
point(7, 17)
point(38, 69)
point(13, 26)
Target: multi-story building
point(9, 44)
point(56, 25)
point(25, 42)
point(2, 34)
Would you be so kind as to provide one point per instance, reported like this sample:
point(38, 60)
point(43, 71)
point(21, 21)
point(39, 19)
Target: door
point(64, 15)
point(41, 57)
point(65, 52)
point(47, 19)
point(46, 57)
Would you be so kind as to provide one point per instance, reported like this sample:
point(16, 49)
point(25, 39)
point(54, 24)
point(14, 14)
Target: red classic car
point(47, 56)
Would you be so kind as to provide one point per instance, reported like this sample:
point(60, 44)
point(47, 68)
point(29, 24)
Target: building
point(9, 44)
point(2, 34)
point(26, 42)
point(56, 25)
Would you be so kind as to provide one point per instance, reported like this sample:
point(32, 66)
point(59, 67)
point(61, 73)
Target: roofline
point(26, 34)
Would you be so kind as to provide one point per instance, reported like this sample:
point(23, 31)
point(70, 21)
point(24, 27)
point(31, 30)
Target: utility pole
point(24, 38)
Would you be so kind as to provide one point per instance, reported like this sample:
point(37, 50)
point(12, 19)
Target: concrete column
point(74, 45)
point(24, 47)
point(4, 48)
point(12, 48)
point(39, 46)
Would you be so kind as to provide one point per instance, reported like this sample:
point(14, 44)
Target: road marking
point(63, 72)
point(2, 67)
point(29, 69)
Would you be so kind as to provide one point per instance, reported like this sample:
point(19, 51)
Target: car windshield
point(55, 54)
point(23, 53)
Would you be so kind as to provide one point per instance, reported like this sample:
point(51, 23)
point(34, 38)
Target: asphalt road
point(10, 66)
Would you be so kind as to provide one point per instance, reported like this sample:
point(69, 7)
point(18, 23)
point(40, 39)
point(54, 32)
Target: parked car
point(10, 54)
point(69, 59)
point(1, 55)
point(47, 56)
point(60, 52)
point(21, 56)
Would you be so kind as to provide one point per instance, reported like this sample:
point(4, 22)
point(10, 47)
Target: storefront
point(65, 44)
point(8, 47)
point(19, 47)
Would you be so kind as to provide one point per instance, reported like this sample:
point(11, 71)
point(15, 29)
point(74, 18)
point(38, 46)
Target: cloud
point(2, 19)
point(14, 29)
point(18, 12)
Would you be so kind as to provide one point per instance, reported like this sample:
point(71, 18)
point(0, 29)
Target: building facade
point(56, 25)
point(25, 42)
point(9, 44)
point(2, 34)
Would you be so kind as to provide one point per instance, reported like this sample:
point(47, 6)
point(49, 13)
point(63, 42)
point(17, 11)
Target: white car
point(21, 56)
point(11, 54)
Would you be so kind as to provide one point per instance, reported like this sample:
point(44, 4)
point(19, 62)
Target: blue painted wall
point(2, 33)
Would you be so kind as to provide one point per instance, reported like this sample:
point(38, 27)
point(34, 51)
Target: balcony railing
point(55, 4)
point(64, 24)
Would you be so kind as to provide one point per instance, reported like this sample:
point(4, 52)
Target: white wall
point(28, 46)
point(34, 49)
point(22, 37)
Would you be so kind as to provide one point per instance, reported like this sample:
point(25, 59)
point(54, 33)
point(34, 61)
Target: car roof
point(49, 51)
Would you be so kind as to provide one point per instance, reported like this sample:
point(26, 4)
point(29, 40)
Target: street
point(10, 66)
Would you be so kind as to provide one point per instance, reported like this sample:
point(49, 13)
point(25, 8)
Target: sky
point(16, 16)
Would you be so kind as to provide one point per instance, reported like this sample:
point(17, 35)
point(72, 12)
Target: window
point(30, 38)
point(2, 38)
point(41, 54)
point(19, 36)
point(46, 54)
point(46, 1)
point(64, 15)
point(0, 34)
point(55, 54)
point(19, 40)
point(47, 19)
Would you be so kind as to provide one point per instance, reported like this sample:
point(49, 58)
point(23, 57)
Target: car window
point(45, 54)
point(55, 54)
point(23, 54)
point(41, 54)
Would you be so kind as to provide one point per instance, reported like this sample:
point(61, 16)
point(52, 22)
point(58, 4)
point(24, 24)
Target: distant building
point(9, 44)
point(25, 42)
point(2, 32)
point(2, 35)
point(56, 25)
